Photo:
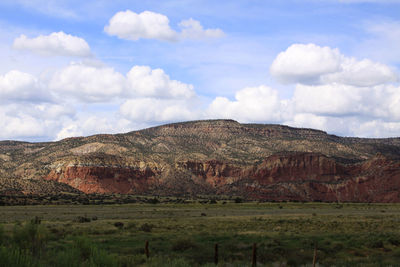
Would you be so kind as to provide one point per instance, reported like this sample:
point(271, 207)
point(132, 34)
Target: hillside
point(271, 162)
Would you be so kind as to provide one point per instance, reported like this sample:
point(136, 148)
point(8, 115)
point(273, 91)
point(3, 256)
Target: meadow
point(185, 234)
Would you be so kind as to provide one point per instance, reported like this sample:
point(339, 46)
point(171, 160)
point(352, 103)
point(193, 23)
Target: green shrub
point(119, 225)
point(81, 219)
point(146, 227)
point(16, 258)
point(238, 200)
point(167, 262)
point(2, 235)
point(183, 244)
point(31, 236)
point(84, 253)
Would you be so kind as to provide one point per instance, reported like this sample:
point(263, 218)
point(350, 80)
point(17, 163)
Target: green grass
point(185, 234)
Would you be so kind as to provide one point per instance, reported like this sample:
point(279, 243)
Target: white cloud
point(20, 86)
point(150, 25)
point(88, 83)
point(99, 84)
point(252, 104)
point(330, 99)
point(158, 110)
point(361, 73)
point(192, 29)
point(376, 128)
point(312, 64)
point(305, 63)
point(89, 124)
point(344, 100)
point(55, 44)
point(132, 26)
point(308, 120)
point(32, 121)
point(145, 82)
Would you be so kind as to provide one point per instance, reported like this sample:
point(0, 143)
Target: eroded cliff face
point(104, 173)
point(310, 177)
point(289, 176)
point(105, 179)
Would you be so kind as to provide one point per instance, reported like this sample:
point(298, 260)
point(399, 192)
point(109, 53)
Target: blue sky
point(72, 68)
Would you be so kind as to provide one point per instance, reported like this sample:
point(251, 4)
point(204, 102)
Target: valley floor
point(185, 234)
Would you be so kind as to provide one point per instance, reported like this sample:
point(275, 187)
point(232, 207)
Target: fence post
point(254, 258)
point(146, 249)
point(216, 254)
point(315, 254)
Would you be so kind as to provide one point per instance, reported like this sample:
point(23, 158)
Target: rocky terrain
point(255, 161)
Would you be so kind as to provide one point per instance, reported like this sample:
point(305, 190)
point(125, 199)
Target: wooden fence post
point(315, 255)
point(216, 254)
point(254, 258)
point(146, 249)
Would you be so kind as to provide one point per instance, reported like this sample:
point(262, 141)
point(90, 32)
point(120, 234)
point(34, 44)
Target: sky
point(78, 68)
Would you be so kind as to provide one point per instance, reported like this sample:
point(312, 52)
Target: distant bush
point(119, 225)
point(183, 244)
point(81, 219)
point(146, 227)
point(153, 201)
point(392, 240)
point(131, 225)
point(238, 200)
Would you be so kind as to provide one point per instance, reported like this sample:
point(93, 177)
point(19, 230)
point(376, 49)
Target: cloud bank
point(331, 91)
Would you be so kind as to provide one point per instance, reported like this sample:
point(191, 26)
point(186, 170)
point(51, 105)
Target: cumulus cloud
point(308, 120)
point(89, 124)
point(133, 26)
point(88, 83)
point(145, 82)
point(345, 96)
point(32, 121)
point(20, 86)
point(361, 73)
point(331, 99)
point(141, 97)
point(344, 100)
point(158, 110)
point(55, 44)
point(305, 63)
point(99, 84)
point(192, 29)
point(251, 104)
point(150, 25)
point(312, 64)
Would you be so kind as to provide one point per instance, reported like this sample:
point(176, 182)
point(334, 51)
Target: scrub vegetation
point(185, 234)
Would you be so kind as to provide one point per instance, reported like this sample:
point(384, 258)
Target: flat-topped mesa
point(259, 161)
point(228, 128)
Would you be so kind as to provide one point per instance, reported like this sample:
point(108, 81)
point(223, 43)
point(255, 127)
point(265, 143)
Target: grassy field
point(185, 234)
